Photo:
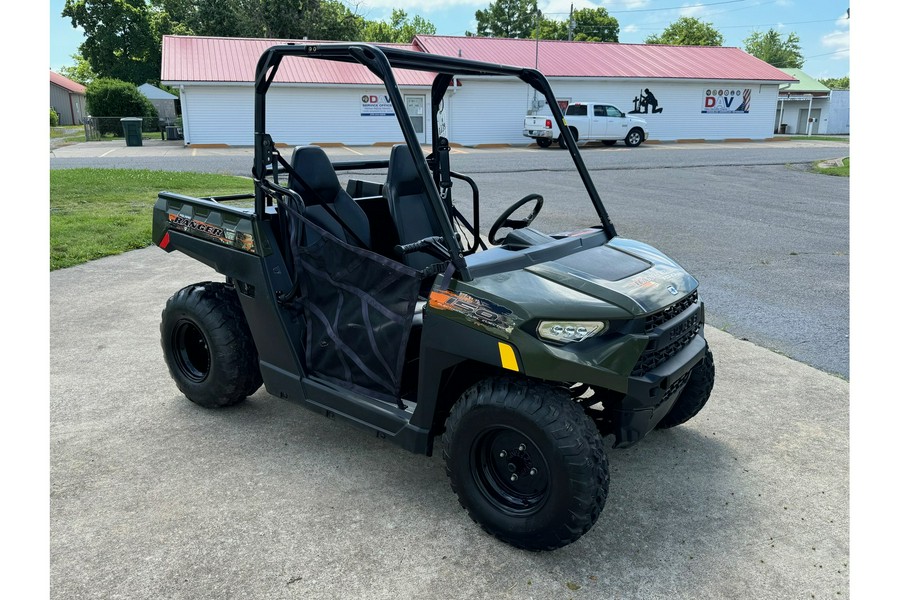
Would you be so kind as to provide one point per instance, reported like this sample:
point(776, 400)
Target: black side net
point(358, 307)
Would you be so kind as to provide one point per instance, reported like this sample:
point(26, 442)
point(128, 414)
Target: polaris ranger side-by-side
point(380, 303)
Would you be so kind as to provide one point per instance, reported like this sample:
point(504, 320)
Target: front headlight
point(563, 332)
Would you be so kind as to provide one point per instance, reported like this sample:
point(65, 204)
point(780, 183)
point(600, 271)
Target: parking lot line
point(108, 152)
point(352, 150)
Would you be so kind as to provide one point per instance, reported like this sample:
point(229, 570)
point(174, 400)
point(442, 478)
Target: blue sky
point(821, 24)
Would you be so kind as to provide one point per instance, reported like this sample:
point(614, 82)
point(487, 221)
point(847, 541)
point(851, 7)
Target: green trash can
point(132, 128)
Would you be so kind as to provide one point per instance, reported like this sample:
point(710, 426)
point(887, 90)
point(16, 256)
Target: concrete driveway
point(153, 497)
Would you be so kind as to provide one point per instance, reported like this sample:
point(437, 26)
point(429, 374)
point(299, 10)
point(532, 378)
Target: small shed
point(166, 104)
point(67, 99)
point(803, 106)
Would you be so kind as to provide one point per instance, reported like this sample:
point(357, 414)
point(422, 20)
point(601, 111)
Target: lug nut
point(521, 447)
point(513, 477)
point(533, 471)
point(503, 454)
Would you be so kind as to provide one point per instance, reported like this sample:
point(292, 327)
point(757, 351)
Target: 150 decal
point(481, 311)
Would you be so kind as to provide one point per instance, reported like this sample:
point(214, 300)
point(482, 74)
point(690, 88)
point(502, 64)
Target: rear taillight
point(548, 124)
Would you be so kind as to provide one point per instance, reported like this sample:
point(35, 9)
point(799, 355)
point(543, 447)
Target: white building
point(684, 92)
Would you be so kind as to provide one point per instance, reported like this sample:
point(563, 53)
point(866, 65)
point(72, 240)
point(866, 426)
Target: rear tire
point(543, 142)
point(526, 463)
point(208, 346)
point(694, 395)
point(562, 141)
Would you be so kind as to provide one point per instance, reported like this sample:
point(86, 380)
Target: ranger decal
point(229, 237)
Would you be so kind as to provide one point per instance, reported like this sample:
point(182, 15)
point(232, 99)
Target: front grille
point(653, 357)
point(670, 312)
point(675, 387)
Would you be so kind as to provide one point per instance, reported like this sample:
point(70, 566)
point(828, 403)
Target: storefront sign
point(376, 105)
point(721, 100)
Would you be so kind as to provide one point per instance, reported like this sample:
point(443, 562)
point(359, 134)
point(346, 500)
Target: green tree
point(775, 50)
point(591, 25)
point(121, 40)
point(81, 72)
point(400, 30)
point(336, 22)
point(688, 31)
point(117, 98)
point(507, 19)
point(840, 83)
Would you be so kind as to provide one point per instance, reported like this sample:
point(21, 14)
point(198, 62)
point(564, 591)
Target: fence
point(96, 128)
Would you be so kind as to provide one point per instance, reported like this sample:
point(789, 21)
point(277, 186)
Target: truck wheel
point(543, 142)
point(609, 142)
point(562, 141)
point(526, 463)
point(694, 395)
point(208, 347)
point(634, 138)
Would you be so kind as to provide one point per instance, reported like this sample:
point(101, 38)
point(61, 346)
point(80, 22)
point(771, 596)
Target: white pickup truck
point(588, 121)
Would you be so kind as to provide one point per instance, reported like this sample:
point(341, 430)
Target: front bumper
point(651, 396)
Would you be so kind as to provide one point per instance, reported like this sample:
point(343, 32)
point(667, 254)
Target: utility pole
point(571, 20)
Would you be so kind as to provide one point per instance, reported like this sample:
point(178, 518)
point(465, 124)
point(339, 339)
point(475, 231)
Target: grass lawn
point(101, 212)
point(839, 171)
point(67, 133)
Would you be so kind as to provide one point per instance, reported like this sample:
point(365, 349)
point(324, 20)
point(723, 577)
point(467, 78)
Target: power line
point(637, 10)
point(828, 53)
point(599, 27)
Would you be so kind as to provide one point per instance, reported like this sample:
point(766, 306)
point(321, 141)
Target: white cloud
point(558, 9)
point(836, 41)
point(843, 22)
point(691, 10)
point(612, 5)
point(629, 28)
point(422, 6)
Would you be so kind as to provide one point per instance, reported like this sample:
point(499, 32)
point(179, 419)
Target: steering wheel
point(504, 220)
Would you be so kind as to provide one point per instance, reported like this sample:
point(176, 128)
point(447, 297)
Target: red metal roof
point(218, 59)
point(66, 83)
point(604, 59)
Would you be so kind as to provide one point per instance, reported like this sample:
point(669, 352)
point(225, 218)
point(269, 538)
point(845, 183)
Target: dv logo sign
point(723, 100)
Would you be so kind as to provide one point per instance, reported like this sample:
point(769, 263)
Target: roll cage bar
point(381, 61)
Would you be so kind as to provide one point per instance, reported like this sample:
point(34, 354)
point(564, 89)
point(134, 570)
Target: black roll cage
point(381, 61)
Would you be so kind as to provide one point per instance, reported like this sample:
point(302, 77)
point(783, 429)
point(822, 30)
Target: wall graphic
point(729, 101)
point(376, 105)
point(645, 102)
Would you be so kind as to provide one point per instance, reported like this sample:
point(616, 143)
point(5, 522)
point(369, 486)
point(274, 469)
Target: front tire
point(694, 395)
point(543, 142)
point(208, 346)
point(634, 138)
point(526, 463)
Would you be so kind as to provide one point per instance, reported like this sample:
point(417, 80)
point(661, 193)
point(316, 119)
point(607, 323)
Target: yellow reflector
point(508, 357)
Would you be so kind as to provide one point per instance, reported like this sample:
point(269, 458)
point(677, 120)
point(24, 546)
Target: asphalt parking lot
point(153, 497)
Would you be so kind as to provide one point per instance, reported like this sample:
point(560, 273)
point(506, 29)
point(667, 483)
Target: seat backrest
point(409, 206)
point(314, 167)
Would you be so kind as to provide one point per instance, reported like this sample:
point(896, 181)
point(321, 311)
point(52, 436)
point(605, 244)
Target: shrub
point(54, 117)
point(113, 99)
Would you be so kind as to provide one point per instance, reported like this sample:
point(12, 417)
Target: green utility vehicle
point(380, 303)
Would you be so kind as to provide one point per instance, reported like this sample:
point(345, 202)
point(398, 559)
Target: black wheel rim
point(510, 471)
point(191, 351)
